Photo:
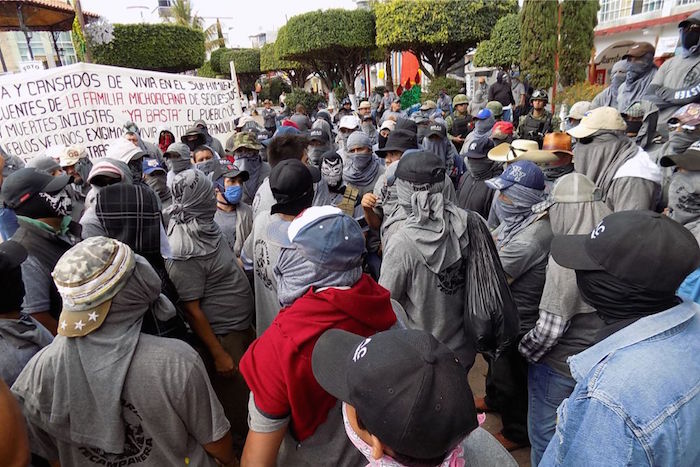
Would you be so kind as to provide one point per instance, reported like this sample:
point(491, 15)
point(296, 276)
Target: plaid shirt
point(547, 331)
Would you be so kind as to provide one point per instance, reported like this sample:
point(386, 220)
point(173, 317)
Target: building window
point(651, 5)
point(686, 2)
point(65, 48)
point(611, 10)
point(36, 44)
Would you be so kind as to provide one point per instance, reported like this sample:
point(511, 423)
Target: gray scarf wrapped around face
point(684, 200)
point(437, 227)
point(360, 169)
point(296, 275)
point(560, 295)
point(74, 391)
point(251, 163)
point(192, 231)
point(600, 159)
point(519, 215)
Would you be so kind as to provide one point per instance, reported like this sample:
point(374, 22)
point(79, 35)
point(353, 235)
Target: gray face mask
point(361, 160)
point(315, 153)
point(207, 166)
point(178, 165)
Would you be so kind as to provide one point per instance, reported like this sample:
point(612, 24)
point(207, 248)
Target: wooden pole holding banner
point(237, 108)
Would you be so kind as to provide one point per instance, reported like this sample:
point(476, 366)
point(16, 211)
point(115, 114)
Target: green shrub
point(451, 87)
point(247, 61)
point(299, 96)
point(205, 71)
point(272, 88)
point(578, 92)
point(161, 47)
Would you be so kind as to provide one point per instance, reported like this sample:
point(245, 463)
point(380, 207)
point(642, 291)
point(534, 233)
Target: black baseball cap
point(399, 140)
point(409, 390)
point(406, 124)
point(317, 134)
point(436, 129)
point(421, 167)
point(12, 254)
point(643, 248)
point(292, 185)
point(27, 182)
point(228, 170)
point(479, 148)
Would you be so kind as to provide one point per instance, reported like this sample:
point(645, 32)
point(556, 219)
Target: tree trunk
point(81, 21)
point(389, 73)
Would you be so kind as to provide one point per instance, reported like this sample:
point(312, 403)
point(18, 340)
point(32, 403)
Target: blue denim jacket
point(637, 397)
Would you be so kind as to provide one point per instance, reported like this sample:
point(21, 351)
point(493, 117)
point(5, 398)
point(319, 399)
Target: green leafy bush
point(503, 48)
point(451, 87)
point(161, 47)
point(578, 92)
point(206, 71)
point(247, 61)
point(299, 96)
point(272, 88)
point(538, 36)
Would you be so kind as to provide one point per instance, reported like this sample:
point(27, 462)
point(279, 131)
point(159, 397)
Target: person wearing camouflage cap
point(103, 392)
point(496, 109)
point(677, 82)
point(458, 123)
point(246, 153)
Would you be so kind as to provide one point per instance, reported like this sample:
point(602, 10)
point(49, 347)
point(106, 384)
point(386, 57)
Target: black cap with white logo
point(409, 390)
point(643, 248)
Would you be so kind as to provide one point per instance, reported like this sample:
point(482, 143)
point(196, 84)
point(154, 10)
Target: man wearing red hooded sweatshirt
point(320, 284)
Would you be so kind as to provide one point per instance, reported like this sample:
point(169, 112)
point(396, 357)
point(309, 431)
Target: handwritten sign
point(88, 105)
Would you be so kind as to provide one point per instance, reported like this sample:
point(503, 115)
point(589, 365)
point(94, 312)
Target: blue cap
point(151, 165)
point(281, 131)
point(484, 114)
point(524, 173)
point(327, 237)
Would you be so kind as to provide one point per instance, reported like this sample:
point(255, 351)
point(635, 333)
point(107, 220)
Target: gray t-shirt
point(169, 407)
point(524, 260)
point(20, 339)
point(261, 253)
point(235, 225)
point(37, 286)
point(220, 286)
point(677, 73)
point(226, 220)
point(433, 302)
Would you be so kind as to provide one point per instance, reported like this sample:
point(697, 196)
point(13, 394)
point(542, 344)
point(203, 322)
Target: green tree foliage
point(503, 48)
point(161, 47)
point(272, 88)
point(78, 40)
point(439, 32)
point(270, 61)
point(205, 71)
point(247, 62)
point(299, 96)
point(451, 87)
point(181, 13)
point(578, 19)
point(538, 35)
point(334, 43)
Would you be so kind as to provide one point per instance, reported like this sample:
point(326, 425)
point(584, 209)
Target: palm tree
point(181, 13)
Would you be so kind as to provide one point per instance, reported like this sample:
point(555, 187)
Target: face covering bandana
point(361, 160)
point(518, 215)
point(689, 40)
point(553, 173)
point(178, 165)
point(332, 172)
point(636, 71)
point(44, 205)
point(165, 140)
point(136, 169)
point(233, 194)
point(83, 167)
point(207, 166)
point(360, 169)
point(680, 141)
point(158, 183)
point(633, 126)
point(381, 140)
point(315, 153)
point(684, 197)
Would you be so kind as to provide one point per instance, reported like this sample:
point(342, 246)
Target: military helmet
point(540, 95)
point(460, 99)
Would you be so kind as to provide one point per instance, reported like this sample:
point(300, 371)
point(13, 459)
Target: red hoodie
point(277, 366)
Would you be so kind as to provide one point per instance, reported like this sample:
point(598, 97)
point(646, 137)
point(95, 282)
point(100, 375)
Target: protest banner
point(89, 104)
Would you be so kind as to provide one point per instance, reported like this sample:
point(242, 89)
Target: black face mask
point(633, 126)
point(381, 140)
point(13, 292)
point(690, 38)
point(586, 140)
point(136, 169)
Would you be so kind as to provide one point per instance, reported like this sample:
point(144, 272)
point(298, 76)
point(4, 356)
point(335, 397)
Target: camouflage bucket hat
point(245, 139)
point(88, 276)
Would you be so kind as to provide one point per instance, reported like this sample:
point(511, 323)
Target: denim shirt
point(637, 397)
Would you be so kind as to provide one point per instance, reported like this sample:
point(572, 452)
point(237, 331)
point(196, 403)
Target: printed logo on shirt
point(452, 279)
point(137, 446)
point(361, 350)
point(262, 263)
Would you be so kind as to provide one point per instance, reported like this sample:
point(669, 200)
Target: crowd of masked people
point(315, 290)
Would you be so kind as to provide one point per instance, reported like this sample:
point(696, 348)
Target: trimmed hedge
point(247, 61)
point(299, 96)
point(450, 85)
point(160, 47)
